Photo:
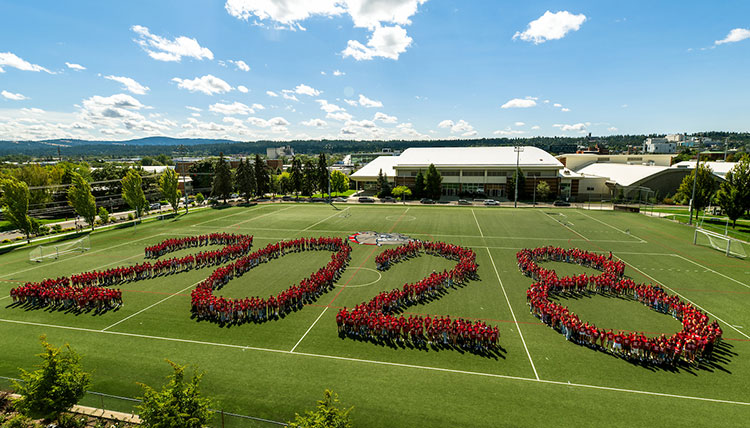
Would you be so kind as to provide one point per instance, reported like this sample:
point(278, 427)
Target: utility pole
point(695, 180)
point(518, 150)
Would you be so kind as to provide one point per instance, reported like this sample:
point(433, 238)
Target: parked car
point(317, 200)
point(463, 202)
point(490, 202)
point(387, 199)
point(561, 203)
point(287, 198)
point(365, 199)
point(154, 206)
point(339, 199)
point(426, 201)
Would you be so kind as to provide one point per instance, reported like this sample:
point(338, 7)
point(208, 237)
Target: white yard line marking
point(518, 326)
point(149, 307)
point(477, 222)
point(308, 330)
point(230, 215)
point(383, 363)
point(260, 216)
point(711, 270)
point(321, 221)
point(609, 225)
point(574, 231)
point(688, 300)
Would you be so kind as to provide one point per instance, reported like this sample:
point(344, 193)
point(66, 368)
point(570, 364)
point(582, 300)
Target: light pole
point(695, 180)
point(534, 202)
point(518, 150)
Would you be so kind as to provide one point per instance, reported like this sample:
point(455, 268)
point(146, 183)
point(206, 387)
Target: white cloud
point(288, 94)
point(241, 65)
point(352, 103)
point(73, 66)
point(546, 101)
point(338, 73)
point(565, 109)
point(163, 49)
point(273, 122)
point(207, 84)
point(557, 105)
point(231, 109)
point(129, 84)
point(257, 106)
point(469, 134)
point(303, 89)
point(243, 89)
point(551, 26)
point(340, 116)
point(519, 103)
point(366, 102)
point(11, 60)
point(315, 123)
point(272, 94)
point(508, 131)
point(385, 118)
point(328, 107)
point(736, 35)
point(612, 129)
point(12, 96)
point(520, 124)
point(323, 73)
point(193, 108)
point(113, 110)
point(580, 127)
point(385, 42)
point(32, 110)
point(461, 126)
point(535, 127)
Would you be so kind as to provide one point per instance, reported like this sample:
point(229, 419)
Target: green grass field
point(275, 369)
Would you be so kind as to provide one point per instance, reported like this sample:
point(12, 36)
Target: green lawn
point(275, 369)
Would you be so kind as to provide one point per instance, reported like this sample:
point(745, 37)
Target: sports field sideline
point(272, 370)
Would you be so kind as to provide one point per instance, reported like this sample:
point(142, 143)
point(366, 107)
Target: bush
point(6, 241)
point(131, 216)
point(19, 421)
point(199, 198)
point(179, 403)
point(56, 228)
point(71, 421)
point(43, 230)
point(104, 215)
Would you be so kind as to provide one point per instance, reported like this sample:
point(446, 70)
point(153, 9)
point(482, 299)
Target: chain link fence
point(127, 405)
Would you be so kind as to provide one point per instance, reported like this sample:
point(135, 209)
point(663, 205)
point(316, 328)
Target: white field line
point(74, 257)
point(477, 222)
point(230, 215)
point(711, 270)
point(685, 298)
point(518, 326)
point(260, 216)
point(151, 306)
point(574, 231)
point(613, 227)
point(310, 328)
point(325, 219)
point(383, 363)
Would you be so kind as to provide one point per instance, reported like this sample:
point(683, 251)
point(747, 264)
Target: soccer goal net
point(56, 250)
point(723, 243)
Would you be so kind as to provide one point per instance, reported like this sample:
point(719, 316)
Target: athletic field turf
point(272, 370)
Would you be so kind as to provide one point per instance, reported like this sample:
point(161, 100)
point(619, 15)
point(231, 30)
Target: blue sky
point(371, 69)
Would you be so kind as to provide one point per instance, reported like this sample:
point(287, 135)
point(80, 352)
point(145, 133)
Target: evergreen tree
point(510, 185)
point(433, 183)
point(179, 404)
point(56, 386)
point(704, 188)
point(132, 192)
point(384, 187)
point(325, 415)
point(202, 174)
point(310, 178)
point(297, 176)
point(323, 174)
point(222, 185)
point(169, 188)
point(262, 179)
point(245, 179)
point(81, 199)
point(419, 186)
point(15, 204)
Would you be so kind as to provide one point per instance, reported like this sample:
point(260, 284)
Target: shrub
point(56, 228)
point(19, 421)
point(131, 216)
point(104, 215)
point(67, 420)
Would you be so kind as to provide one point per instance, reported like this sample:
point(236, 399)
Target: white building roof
point(386, 163)
point(719, 168)
point(475, 156)
point(622, 174)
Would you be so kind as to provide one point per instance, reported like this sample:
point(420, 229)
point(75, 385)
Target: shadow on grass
point(28, 306)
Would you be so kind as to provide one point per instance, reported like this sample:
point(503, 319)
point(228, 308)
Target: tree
point(728, 198)
point(419, 185)
point(199, 198)
point(704, 188)
point(132, 192)
point(310, 174)
point(222, 184)
point(542, 190)
point(168, 186)
point(740, 179)
point(285, 183)
point(15, 204)
point(401, 192)
point(245, 179)
point(297, 176)
point(262, 179)
point(202, 174)
point(510, 185)
point(384, 187)
point(433, 183)
point(81, 199)
point(35, 175)
point(103, 215)
point(179, 404)
point(323, 174)
point(57, 385)
point(325, 415)
point(339, 182)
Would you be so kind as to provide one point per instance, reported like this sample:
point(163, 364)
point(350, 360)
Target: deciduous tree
point(339, 182)
point(15, 204)
point(179, 403)
point(81, 199)
point(704, 188)
point(132, 192)
point(326, 415)
point(168, 186)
